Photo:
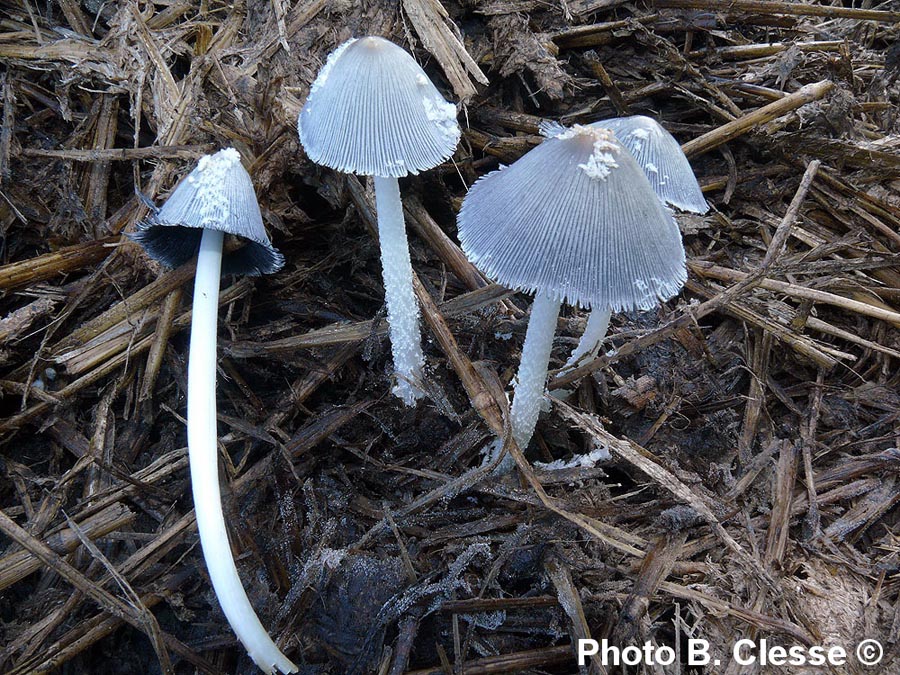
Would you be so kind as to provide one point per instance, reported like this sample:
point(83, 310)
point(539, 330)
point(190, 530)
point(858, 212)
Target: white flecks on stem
point(532, 375)
point(598, 453)
point(589, 345)
point(402, 306)
point(203, 452)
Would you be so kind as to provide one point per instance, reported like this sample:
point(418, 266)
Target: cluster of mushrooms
point(580, 219)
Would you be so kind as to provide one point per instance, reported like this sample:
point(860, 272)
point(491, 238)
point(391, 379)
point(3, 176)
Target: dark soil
point(751, 481)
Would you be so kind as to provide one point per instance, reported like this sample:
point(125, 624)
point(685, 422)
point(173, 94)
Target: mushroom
point(215, 199)
point(373, 111)
point(667, 169)
point(574, 220)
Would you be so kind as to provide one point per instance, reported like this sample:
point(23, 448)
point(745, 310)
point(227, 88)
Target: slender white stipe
point(589, 344)
point(203, 452)
point(532, 374)
point(402, 305)
point(215, 199)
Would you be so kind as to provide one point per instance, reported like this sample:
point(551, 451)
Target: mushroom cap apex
point(587, 132)
point(222, 160)
point(376, 42)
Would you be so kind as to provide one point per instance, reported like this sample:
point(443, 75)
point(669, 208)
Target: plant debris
point(741, 442)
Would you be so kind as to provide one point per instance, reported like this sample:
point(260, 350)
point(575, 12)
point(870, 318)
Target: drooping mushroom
point(373, 111)
point(574, 220)
point(670, 175)
point(214, 200)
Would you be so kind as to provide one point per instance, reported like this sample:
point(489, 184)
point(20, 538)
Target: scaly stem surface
point(203, 451)
point(589, 344)
point(402, 306)
point(532, 375)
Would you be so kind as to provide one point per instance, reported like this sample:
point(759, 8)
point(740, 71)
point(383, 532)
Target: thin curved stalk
point(402, 306)
point(589, 344)
point(203, 452)
point(532, 375)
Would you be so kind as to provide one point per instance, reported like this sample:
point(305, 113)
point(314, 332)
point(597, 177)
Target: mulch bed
point(749, 483)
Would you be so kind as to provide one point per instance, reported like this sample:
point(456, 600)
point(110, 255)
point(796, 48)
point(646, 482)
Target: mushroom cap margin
point(217, 194)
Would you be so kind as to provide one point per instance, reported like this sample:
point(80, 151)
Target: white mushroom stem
point(532, 375)
point(203, 451)
point(593, 335)
point(402, 306)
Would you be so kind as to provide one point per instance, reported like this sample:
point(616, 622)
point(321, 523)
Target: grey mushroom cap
point(660, 157)
point(217, 195)
point(575, 218)
point(373, 111)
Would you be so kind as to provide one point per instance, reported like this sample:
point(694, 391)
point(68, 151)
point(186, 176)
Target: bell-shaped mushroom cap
point(662, 160)
point(217, 195)
point(575, 218)
point(373, 111)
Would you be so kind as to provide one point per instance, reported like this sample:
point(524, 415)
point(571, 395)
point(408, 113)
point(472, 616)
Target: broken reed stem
point(492, 411)
point(139, 616)
point(69, 259)
point(755, 51)
point(609, 86)
point(656, 566)
point(446, 249)
point(751, 618)
point(160, 342)
point(817, 324)
point(430, 20)
point(760, 361)
point(596, 34)
point(350, 332)
point(182, 321)
point(801, 344)
point(7, 122)
point(570, 600)
point(783, 231)
point(515, 662)
point(789, 8)
point(188, 152)
point(797, 291)
point(19, 564)
point(742, 125)
point(123, 310)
